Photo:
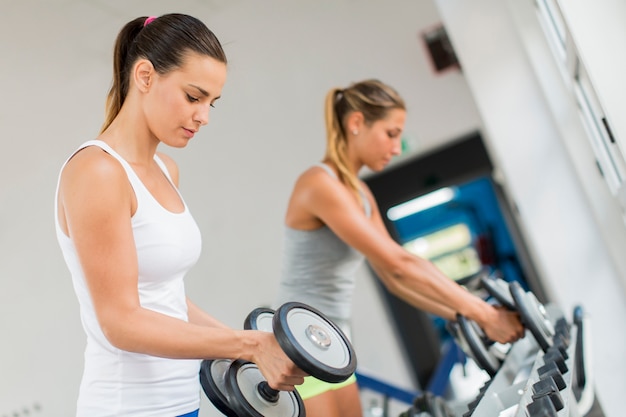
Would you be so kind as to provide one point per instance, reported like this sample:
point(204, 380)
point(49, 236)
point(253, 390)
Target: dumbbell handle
point(268, 393)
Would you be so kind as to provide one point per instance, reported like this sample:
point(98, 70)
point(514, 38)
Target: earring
point(355, 132)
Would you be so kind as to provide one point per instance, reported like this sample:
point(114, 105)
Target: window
point(451, 249)
point(608, 156)
point(554, 25)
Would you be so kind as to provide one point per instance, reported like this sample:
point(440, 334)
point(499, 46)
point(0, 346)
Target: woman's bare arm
point(97, 204)
point(414, 279)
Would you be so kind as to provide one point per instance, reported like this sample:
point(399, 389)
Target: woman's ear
point(355, 122)
point(143, 74)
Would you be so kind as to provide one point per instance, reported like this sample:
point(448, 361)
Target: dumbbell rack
point(510, 391)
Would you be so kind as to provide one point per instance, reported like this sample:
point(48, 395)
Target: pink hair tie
point(149, 20)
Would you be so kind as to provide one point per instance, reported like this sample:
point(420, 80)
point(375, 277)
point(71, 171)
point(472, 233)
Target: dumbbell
point(487, 354)
point(499, 289)
point(312, 341)
point(532, 313)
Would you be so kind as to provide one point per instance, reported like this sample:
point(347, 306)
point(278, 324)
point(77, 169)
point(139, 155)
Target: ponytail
point(119, 87)
point(336, 139)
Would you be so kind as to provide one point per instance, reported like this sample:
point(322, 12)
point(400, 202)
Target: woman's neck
point(130, 136)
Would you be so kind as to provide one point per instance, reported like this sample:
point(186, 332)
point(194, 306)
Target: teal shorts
point(313, 387)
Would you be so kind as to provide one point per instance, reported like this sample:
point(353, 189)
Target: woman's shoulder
point(95, 182)
point(317, 185)
point(318, 173)
point(93, 163)
point(313, 179)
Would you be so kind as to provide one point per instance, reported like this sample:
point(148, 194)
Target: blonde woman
point(333, 224)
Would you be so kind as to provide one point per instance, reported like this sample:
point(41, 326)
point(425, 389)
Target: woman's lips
point(189, 133)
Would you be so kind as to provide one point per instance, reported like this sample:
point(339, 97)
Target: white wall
point(236, 175)
point(571, 222)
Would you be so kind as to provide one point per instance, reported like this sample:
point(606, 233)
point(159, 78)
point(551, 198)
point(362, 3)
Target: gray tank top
point(319, 269)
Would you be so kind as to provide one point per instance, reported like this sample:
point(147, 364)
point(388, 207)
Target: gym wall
point(574, 225)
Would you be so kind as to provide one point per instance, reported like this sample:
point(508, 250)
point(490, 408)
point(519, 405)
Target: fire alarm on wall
point(440, 49)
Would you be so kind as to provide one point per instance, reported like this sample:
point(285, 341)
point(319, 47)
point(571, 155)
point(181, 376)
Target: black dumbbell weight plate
point(259, 319)
point(244, 380)
point(471, 334)
point(499, 289)
point(212, 380)
point(533, 315)
point(313, 342)
point(453, 329)
point(427, 404)
point(442, 409)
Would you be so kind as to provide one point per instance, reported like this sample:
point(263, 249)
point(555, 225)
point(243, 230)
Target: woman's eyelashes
point(193, 99)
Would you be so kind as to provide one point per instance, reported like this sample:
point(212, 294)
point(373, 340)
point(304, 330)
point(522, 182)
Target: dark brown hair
point(164, 41)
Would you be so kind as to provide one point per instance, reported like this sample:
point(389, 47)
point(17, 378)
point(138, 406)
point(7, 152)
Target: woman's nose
point(396, 147)
point(202, 116)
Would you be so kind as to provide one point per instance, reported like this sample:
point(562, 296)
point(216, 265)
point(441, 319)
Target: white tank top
point(121, 383)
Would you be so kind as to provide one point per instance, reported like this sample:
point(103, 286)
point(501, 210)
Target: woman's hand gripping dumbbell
point(532, 312)
point(473, 340)
point(313, 342)
point(510, 296)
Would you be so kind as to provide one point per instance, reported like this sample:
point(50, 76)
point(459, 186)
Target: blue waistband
point(192, 414)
